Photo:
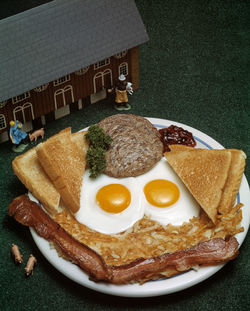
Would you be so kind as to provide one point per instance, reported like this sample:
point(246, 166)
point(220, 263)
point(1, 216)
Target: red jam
point(176, 135)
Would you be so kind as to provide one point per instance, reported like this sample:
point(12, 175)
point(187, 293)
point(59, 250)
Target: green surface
point(194, 70)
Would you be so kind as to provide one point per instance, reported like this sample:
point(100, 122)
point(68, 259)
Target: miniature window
point(82, 71)
point(62, 80)
point(21, 97)
point(102, 63)
point(123, 69)
point(2, 121)
point(120, 55)
point(41, 87)
point(2, 104)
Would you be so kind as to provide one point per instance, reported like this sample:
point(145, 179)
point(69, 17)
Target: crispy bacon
point(212, 252)
point(29, 213)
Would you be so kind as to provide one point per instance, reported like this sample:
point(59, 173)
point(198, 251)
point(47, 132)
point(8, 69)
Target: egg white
point(183, 210)
point(91, 215)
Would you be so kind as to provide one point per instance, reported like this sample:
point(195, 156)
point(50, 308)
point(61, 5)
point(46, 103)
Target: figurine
point(30, 265)
point(17, 136)
point(121, 96)
point(36, 134)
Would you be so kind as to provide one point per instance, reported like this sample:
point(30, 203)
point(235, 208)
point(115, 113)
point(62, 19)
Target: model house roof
point(49, 41)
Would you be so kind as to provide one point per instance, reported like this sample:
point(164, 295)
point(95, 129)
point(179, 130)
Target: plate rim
point(151, 288)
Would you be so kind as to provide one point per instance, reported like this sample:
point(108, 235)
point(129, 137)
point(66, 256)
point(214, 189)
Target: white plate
point(163, 286)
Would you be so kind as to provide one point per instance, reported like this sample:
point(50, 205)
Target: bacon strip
point(29, 213)
point(212, 252)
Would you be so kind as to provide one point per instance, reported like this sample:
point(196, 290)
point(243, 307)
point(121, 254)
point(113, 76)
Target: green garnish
point(96, 160)
point(99, 144)
point(97, 137)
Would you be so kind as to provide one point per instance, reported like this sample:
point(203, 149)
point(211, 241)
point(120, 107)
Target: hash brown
point(147, 238)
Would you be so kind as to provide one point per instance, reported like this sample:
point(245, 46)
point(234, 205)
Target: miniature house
point(56, 57)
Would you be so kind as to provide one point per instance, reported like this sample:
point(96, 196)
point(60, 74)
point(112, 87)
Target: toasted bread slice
point(29, 171)
point(204, 172)
point(63, 162)
point(233, 181)
point(31, 174)
point(80, 140)
point(180, 148)
point(235, 173)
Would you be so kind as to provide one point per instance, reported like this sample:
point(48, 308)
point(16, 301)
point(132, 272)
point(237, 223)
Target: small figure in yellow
point(17, 136)
point(121, 96)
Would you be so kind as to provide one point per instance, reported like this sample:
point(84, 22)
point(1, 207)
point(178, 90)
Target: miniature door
point(102, 81)
point(62, 98)
point(25, 115)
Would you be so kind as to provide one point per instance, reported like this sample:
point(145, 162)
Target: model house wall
point(68, 93)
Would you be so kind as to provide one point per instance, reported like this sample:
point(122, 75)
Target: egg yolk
point(161, 192)
point(113, 198)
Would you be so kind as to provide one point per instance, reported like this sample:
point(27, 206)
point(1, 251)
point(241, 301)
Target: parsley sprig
point(99, 144)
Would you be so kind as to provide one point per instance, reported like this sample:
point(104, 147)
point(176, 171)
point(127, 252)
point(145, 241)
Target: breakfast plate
point(162, 286)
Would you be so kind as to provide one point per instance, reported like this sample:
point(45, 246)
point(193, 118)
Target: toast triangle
point(63, 162)
point(233, 181)
point(31, 173)
point(204, 172)
point(234, 177)
point(27, 168)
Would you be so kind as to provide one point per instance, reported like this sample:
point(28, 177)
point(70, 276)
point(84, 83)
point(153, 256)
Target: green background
point(194, 70)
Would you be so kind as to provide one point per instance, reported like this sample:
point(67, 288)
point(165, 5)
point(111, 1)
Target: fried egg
point(109, 205)
point(166, 199)
point(112, 205)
